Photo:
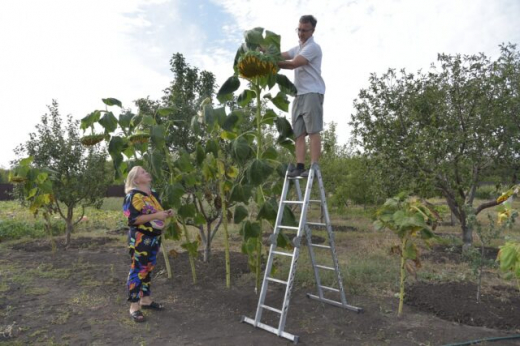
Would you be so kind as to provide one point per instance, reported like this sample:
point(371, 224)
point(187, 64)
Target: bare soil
point(453, 254)
point(78, 297)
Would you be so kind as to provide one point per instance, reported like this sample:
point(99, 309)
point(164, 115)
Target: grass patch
point(36, 291)
point(62, 317)
point(86, 300)
point(46, 270)
point(16, 229)
point(4, 287)
point(113, 204)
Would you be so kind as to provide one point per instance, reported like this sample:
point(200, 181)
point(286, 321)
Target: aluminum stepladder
point(314, 173)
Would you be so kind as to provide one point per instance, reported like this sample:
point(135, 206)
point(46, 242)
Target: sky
point(80, 51)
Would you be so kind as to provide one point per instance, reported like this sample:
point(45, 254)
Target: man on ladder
point(307, 108)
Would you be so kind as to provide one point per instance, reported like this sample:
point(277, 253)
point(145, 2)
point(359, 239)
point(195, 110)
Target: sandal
point(138, 316)
point(153, 306)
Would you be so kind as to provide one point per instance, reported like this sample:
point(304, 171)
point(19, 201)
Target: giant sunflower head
point(256, 64)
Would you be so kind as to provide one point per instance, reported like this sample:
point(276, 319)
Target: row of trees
point(447, 129)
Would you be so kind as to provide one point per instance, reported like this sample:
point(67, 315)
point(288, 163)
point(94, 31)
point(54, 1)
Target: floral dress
point(143, 241)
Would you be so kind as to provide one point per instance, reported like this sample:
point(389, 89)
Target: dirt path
point(77, 297)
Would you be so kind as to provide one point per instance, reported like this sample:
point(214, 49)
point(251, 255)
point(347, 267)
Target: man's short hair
point(309, 19)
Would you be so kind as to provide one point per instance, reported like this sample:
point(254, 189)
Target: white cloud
point(81, 51)
point(75, 52)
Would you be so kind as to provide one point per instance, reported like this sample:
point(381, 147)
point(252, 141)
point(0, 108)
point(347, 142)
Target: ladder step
point(324, 267)
point(277, 331)
point(293, 202)
point(321, 246)
point(289, 227)
point(271, 309)
point(283, 253)
point(276, 280)
point(329, 288)
point(315, 200)
point(316, 224)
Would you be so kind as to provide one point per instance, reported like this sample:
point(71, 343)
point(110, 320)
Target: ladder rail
point(308, 235)
point(294, 261)
point(272, 247)
point(332, 245)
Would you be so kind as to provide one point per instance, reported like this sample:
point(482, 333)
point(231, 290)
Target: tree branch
point(82, 214)
point(217, 225)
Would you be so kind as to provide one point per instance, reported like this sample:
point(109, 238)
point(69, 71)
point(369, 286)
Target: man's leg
point(315, 147)
point(300, 149)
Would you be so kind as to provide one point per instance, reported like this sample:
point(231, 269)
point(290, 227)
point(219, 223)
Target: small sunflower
point(91, 140)
point(17, 179)
point(139, 138)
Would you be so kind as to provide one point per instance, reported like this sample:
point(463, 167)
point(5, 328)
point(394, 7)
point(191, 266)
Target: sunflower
point(139, 138)
point(91, 140)
point(256, 64)
point(17, 180)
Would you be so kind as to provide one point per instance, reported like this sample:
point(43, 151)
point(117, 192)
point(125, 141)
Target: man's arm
point(292, 64)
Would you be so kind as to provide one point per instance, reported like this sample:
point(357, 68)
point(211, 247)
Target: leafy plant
point(37, 190)
point(255, 62)
point(509, 254)
point(412, 220)
point(447, 129)
point(509, 258)
point(477, 257)
point(75, 174)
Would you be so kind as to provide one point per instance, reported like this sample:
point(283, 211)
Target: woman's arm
point(160, 215)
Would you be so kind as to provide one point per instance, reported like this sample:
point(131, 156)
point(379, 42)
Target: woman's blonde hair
point(130, 179)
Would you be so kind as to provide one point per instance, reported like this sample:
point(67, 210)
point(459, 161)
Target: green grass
point(49, 272)
point(16, 221)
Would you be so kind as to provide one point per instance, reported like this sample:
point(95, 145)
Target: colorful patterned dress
point(143, 241)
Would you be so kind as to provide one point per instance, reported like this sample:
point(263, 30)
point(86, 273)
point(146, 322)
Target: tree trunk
point(207, 251)
point(68, 231)
point(467, 235)
point(207, 244)
point(458, 211)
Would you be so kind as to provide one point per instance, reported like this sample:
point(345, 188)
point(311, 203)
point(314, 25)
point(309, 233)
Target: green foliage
point(255, 156)
point(447, 128)
point(4, 176)
point(486, 192)
point(486, 235)
point(16, 229)
point(60, 173)
point(180, 104)
point(509, 258)
point(411, 220)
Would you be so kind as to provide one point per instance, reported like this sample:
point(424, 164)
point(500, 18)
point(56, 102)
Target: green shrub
point(487, 192)
point(13, 229)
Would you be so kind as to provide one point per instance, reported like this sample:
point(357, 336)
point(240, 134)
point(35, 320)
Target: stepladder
point(323, 257)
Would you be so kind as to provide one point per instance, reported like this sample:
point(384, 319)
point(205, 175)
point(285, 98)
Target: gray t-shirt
point(307, 78)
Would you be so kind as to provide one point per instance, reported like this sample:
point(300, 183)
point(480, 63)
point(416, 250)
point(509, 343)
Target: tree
point(184, 96)
point(4, 176)
point(447, 128)
point(349, 177)
point(78, 174)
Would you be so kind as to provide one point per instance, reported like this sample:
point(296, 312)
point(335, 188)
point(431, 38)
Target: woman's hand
point(163, 215)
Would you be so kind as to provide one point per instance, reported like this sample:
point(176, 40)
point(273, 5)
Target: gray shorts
point(307, 114)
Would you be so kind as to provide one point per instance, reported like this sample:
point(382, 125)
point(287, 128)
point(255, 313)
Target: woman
point(146, 220)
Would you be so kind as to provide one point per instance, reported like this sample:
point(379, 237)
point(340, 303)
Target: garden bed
point(78, 296)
